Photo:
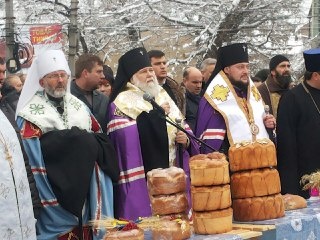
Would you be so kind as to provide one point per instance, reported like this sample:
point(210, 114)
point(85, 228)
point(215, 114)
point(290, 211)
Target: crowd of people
point(77, 150)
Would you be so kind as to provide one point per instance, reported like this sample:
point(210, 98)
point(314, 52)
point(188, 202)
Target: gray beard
point(55, 93)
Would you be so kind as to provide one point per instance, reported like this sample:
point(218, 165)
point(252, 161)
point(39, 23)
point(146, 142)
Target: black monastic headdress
point(128, 64)
point(229, 55)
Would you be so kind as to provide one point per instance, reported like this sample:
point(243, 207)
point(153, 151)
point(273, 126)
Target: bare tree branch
point(56, 2)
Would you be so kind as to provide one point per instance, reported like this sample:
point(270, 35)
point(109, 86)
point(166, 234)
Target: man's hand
point(166, 107)
point(182, 138)
point(269, 121)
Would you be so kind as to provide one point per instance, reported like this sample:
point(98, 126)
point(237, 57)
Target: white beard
point(152, 88)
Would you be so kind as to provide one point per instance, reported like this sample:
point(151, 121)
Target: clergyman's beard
point(55, 92)
point(283, 80)
point(149, 87)
point(239, 84)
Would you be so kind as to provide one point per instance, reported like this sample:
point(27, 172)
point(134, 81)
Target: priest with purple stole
point(231, 110)
point(141, 136)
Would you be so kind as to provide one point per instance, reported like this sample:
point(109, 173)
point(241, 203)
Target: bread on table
point(172, 230)
point(169, 204)
point(210, 169)
point(255, 183)
point(258, 208)
point(292, 202)
point(252, 155)
point(210, 198)
point(127, 233)
point(166, 181)
point(212, 222)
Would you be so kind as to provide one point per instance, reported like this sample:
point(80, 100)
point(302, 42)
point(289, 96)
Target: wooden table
point(266, 231)
point(235, 234)
point(245, 233)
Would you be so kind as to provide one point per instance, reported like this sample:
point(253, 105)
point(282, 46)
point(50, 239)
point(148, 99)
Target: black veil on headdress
point(128, 64)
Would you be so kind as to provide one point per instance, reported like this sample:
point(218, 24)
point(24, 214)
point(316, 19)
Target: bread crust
point(134, 234)
point(166, 181)
point(210, 198)
point(212, 222)
point(173, 230)
point(169, 204)
point(208, 170)
point(292, 202)
point(247, 156)
point(258, 208)
point(255, 183)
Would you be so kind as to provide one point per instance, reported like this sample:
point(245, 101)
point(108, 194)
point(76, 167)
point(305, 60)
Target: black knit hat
point(263, 74)
point(276, 60)
point(128, 64)
point(312, 60)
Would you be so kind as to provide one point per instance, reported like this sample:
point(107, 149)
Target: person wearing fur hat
point(231, 109)
point(298, 131)
point(141, 136)
point(67, 152)
point(277, 83)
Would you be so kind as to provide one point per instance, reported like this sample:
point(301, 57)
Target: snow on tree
point(187, 30)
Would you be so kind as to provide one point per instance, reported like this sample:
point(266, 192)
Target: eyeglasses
point(56, 76)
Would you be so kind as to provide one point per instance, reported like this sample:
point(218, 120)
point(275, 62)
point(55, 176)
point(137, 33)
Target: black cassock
point(298, 137)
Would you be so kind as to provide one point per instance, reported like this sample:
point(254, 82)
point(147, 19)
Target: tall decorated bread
point(167, 192)
point(252, 155)
point(255, 183)
point(210, 193)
